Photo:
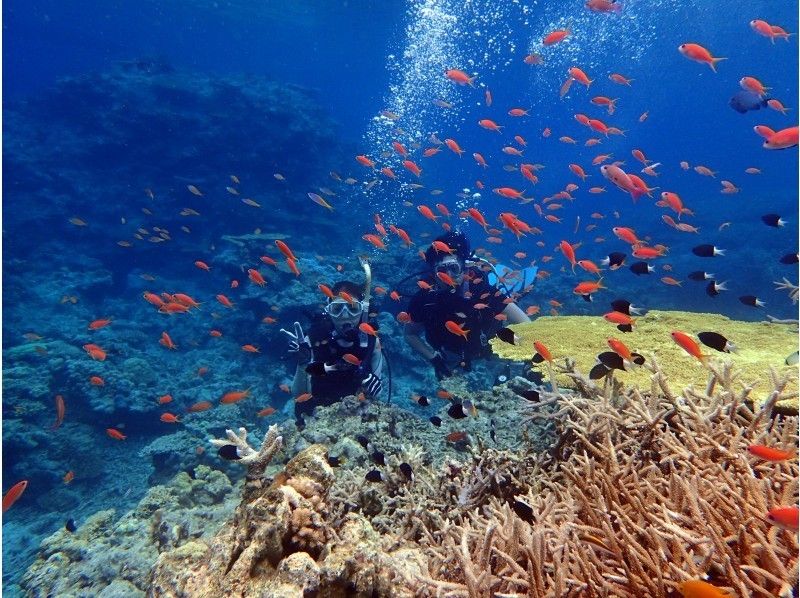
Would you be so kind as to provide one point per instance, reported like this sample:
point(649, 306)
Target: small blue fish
point(744, 101)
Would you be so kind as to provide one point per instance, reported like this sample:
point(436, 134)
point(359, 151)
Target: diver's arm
point(376, 363)
point(302, 381)
point(412, 333)
point(514, 314)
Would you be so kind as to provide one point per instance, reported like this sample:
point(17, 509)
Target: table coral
point(760, 345)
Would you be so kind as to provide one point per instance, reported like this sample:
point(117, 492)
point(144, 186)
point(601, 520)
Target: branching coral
point(653, 489)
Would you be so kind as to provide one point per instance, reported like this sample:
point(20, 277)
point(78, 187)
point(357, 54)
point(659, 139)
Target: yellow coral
point(761, 345)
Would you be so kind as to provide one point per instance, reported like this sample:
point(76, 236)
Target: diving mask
point(339, 309)
point(453, 268)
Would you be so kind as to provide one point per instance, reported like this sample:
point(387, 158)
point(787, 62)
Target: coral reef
point(581, 338)
point(640, 493)
point(110, 556)
point(281, 543)
point(623, 492)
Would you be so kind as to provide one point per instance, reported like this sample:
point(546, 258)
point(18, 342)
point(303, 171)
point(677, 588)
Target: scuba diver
point(336, 359)
point(459, 296)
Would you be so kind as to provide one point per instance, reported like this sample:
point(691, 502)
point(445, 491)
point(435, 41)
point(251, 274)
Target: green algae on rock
point(760, 345)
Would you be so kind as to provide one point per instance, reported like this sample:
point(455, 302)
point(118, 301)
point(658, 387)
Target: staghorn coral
point(652, 489)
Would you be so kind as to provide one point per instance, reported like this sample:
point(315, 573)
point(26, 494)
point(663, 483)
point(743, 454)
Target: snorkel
point(364, 261)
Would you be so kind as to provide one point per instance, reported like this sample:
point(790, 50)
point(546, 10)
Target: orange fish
point(215, 333)
point(403, 317)
point(489, 125)
point(163, 400)
point(697, 588)
point(619, 79)
point(186, 300)
point(768, 453)
point(95, 352)
point(326, 291)
point(580, 76)
point(364, 161)
point(698, 53)
point(367, 329)
point(351, 359)
point(265, 412)
point(173, 308)
point(115, 434)
point(569, 253)
point(556, 36)
point(460, 77)
point(427, 212)
point(13, 494)
point(542, 350)
point(303, 397)
point(200, 406)
point(588, 287)
point(617, 317)
point(234, 396)
point(256, 277)
point(234, 284)
point(446, 279)
point(96, 381)
point(225, 301)
point(166, 341)
point(250, 349)
point(620, 349)
point(374, 240)
point(202, 265)
point(169, 418)
point(69, 476)
point(60, 408)
point(453, 146)
point(152, 298)
point(97, 324)
point(477, 217)
point(284, 249)
point(785, 517)
point(412, 167)
point(456, 329)
point(688, 344)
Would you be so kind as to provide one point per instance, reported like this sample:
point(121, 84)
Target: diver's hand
point(372, 386)
point(298, 343)
point(440, 367)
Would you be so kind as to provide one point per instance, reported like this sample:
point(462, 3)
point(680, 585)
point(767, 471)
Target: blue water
point(105, 100)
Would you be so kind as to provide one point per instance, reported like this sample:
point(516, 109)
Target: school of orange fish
point(513, 222)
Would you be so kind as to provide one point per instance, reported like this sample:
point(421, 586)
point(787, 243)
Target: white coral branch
point(248, 455)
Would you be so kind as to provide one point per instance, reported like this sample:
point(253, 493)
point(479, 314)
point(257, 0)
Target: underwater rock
point(105, 554)
point(278, 544)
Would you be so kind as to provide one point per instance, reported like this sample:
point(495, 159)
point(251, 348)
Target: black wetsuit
point(433, 308)
point(330, 387)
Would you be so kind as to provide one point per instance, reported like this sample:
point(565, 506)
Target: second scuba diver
point(461, 294)
point(335, 358)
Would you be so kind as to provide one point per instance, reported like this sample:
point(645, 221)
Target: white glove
point(299, 343)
